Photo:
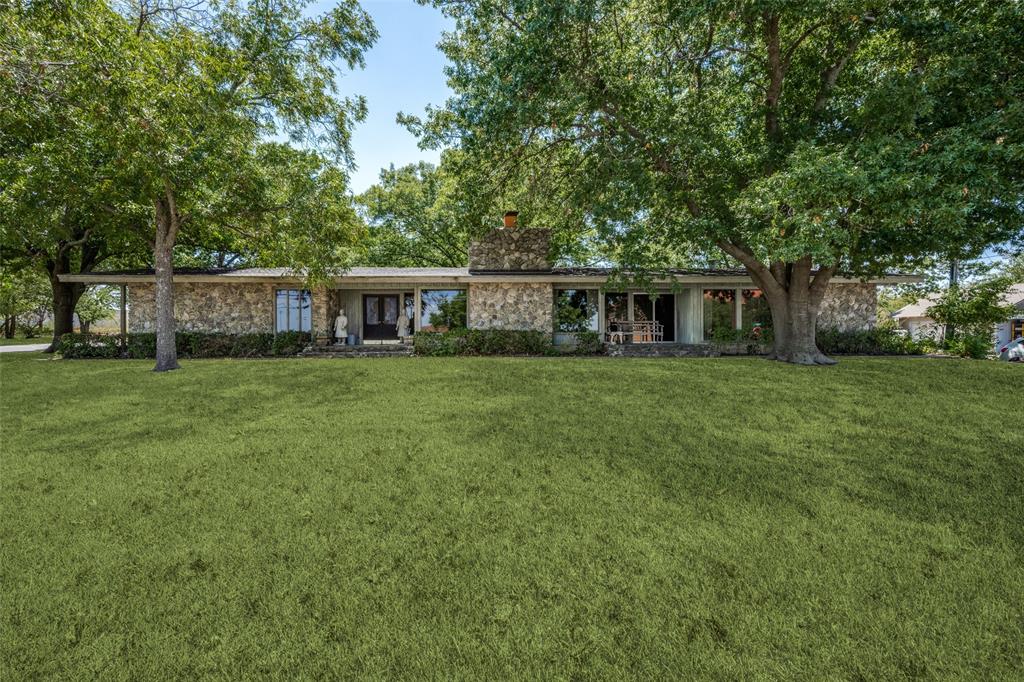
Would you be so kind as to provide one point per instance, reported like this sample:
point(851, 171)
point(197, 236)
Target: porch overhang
point(357, 278)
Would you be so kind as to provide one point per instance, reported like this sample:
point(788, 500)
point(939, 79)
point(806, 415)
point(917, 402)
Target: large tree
point(413, 218)
point(800, 137)
point(215, 125)
point(209, 83)
point(64, 197)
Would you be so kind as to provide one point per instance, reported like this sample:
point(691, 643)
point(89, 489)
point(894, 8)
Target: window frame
point(423, 319)
point(301, 295)
point(593, 308)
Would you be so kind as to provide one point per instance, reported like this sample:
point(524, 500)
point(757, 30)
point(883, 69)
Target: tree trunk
point(163, 247)
point(794, 298)
point(9, 326)
point(65, 298)
point(794, 325)
point(794, 293)
point(83, 326)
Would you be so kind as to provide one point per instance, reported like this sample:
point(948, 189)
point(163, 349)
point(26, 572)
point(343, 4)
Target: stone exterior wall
point(236, 308)
point(324, 311)
point(849, 307)
point(512, 305)
point(514, 249)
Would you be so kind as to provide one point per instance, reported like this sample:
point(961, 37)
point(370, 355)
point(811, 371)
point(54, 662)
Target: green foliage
point(25, 295)
point(878, 341)
point(89, 346)
point(973, 310)
point(862, 135)
point(747, 341)
point(189, 344)
point(483, 342)
point(975, 346)
point(588, 342)
point(451, 313)
point(415, 218)
point(573, 310)
point(503, 342)
point(97, 303)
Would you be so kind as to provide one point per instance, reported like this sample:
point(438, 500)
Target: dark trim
point(512, 273)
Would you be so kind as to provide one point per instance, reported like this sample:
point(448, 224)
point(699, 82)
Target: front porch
point(386, 315)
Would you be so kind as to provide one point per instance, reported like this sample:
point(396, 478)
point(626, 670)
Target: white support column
point(739, 309)
point(416, 309)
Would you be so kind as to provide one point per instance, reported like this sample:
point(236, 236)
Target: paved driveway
point(23, 349)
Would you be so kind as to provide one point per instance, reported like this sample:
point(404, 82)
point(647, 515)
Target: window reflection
point(756, 312)
point(294, 308)
point(719, 311)
point(442, 310)
point(576, 310)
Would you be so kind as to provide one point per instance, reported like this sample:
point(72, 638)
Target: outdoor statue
point(341, 326)
point(403, 324)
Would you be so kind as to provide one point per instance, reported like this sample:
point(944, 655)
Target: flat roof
point(364, 275)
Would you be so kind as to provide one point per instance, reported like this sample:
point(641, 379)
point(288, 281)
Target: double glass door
point(380, 317)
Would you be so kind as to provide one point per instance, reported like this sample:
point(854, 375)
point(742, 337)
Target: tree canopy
point(801, 138)
point(218, 122)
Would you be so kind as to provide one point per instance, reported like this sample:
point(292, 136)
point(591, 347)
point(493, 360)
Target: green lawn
point(496, 518)
point(22, 341)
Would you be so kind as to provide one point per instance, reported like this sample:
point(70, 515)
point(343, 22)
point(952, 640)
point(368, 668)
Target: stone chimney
point(511, 248)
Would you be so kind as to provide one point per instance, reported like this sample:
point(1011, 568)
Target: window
point(616, 307)
point(756, 312)
point(441, 311)
point(576, 310)
point(719, 311)
point(294, 310)
point(1016, 329)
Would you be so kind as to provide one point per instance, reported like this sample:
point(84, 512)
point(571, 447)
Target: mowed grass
point(511, 518)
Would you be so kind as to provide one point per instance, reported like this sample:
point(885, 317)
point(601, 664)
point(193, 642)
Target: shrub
point(588, 342)
point(878, 341)
point(977, 346)
point(89, 346)
point(142, 345)
point(748, 341)
point(497, 342)
point(288, 343)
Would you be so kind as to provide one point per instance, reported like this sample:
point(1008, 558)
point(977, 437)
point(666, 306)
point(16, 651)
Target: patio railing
point(635, 332)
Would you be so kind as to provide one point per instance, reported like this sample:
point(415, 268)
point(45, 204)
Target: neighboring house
point(510, 284)
point(1014, 327)
point(914, 318)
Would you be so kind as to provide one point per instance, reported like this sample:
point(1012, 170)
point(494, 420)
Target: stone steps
point(660, 350)
point(393, 350)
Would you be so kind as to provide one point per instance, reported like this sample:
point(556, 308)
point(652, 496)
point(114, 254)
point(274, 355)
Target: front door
point(380, 317)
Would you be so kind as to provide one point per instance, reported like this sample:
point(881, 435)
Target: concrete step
point(660, 350)
point(368, 350)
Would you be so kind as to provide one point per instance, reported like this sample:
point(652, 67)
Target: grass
point(496, 518)
point(22, 341)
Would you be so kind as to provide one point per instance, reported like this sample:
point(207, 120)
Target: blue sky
point(404, 72)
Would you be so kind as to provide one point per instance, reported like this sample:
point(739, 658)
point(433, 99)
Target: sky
point(404, 72)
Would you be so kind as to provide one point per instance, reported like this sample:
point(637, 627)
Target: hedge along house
point(510, 284)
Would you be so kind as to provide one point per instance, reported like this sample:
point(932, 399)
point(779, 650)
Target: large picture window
point(576, 310)
point(442, 310)
point(756, 312)
point(294, 310)
point(719, 311)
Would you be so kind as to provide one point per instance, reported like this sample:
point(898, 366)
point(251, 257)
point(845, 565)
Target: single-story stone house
point(510, 284)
